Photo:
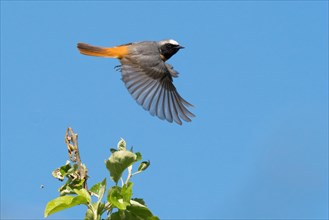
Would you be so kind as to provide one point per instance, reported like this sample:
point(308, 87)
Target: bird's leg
point(117, 68)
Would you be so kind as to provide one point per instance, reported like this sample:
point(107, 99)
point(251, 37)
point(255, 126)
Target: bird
point(147, 76)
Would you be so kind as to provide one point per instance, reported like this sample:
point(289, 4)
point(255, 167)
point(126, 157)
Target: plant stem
point(71, 139)
point(129, 174)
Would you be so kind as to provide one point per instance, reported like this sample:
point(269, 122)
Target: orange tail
point(114, 52)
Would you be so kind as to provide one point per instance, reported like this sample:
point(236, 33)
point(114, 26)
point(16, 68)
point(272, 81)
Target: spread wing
point(151, 86)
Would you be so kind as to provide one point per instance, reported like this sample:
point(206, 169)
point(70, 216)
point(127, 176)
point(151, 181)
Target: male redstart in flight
point(147, 76)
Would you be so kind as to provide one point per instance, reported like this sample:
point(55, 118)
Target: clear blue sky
point(256, 71)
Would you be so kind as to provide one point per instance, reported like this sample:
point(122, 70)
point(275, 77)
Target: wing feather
point(151, 86)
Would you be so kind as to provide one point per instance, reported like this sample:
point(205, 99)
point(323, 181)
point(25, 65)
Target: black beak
point(180, 47)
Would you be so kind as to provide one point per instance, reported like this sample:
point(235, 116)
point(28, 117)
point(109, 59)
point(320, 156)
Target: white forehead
point(170, 41)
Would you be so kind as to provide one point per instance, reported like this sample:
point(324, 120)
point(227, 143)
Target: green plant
point(119, 203)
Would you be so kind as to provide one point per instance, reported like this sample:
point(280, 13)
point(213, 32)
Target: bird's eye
point(173, 46)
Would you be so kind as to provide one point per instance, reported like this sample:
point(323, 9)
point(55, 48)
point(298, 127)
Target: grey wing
point(151, 86)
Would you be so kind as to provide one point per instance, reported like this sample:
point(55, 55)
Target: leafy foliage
point(119, 203)
point(118, 162)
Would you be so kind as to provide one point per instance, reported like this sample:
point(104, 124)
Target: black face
point(168, 49)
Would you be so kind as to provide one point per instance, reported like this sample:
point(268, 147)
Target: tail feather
point(114, 52)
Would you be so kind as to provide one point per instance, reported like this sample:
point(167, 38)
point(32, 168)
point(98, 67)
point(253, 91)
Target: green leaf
point(140, 211)
point(66, 167)
point(83, 193)
point(118, 162)
point(66, 189)
point(115, 216)
point(124, 215)
point(139, 156)
point(95, 209)
point(113, 150)
point(122, 144)
point(73, 170)
point(127, 192)
point(135, 211)
point(116, 199)
point(63, 202)
point(57, 174)
point(70, 186)
point(144, 165)
point(89, 214)
point(60, 172)
point(99, 189)
point(101, 208)
point(139, 200)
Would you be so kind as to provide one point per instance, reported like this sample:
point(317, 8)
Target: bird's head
point(168, 48)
